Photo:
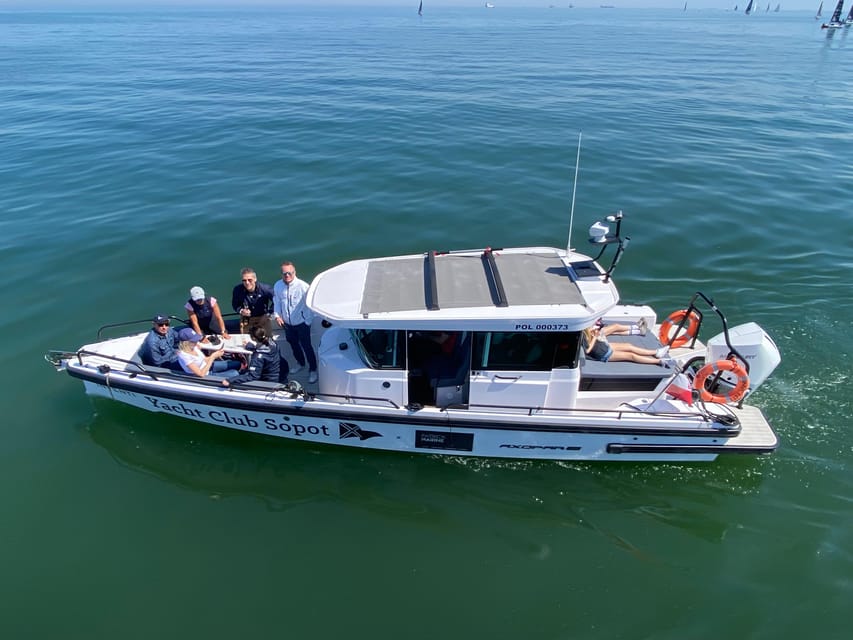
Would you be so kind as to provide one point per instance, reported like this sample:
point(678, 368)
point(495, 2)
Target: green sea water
point(142, 153)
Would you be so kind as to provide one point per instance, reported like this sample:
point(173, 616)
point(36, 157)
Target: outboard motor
point(750, 341)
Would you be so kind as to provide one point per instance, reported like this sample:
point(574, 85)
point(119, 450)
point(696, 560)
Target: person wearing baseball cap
point(203, 313)
point(196, 362)
point(161, 344)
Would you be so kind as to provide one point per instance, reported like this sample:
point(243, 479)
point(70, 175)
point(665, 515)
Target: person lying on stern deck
point(597, 347)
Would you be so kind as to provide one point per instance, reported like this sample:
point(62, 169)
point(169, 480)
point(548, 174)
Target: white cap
point(197, 293)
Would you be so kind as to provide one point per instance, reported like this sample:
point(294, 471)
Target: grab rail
point(183, 321)
point(132, 322)
point(692, 308)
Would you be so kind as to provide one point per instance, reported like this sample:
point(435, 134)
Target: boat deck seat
point(623, 376)
point(260, 385)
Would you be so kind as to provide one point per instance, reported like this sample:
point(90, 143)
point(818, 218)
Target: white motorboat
point(479, 353)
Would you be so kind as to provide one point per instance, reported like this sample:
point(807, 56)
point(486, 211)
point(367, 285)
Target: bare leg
point(629, 356)
point(616, 329)
point(626, 347)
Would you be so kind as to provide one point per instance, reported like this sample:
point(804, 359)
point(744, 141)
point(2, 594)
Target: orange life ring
point(732, 396)
point(674, 319)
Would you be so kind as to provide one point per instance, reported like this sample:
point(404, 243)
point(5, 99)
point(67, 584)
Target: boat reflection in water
point(434, 491)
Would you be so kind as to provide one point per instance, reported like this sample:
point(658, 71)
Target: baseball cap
point(160, 319)
point(188, 334)
point(197, 293)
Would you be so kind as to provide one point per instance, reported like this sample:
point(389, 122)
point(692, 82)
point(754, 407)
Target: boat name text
point(243, 420)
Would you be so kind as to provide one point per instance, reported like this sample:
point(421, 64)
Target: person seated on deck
point(194, 361)
point(203, 313)
point(266, 364)
point(160, 348)
point(596, 347)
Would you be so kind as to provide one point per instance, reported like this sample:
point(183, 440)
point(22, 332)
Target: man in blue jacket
point(160, 348)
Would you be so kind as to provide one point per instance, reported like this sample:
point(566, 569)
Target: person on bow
point(160, 348)
point(253, 300)
point(291, 312)
point(203, 313)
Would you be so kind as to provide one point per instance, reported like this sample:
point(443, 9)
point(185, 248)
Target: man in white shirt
point(290, 312)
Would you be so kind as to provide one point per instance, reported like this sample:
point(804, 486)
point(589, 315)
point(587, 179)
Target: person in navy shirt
point(253, 300)
point(204, 314)
point(266, 363)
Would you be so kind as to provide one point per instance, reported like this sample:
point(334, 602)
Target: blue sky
point(792, 5)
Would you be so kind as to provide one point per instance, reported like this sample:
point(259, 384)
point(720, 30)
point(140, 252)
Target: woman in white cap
point(202, 310)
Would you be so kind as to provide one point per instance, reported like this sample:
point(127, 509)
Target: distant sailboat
point(835, 21)
point(421, 8)
point(849, 19)
point(776, 10)
point(749, 7)
point(685, 6)
point(819, 10)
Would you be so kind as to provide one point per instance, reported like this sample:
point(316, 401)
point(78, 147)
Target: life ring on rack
point(674, 319)
point(732, 396)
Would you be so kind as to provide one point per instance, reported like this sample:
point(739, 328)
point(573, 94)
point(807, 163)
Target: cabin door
point(439, 364)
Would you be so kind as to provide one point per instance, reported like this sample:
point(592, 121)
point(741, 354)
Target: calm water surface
point(142, 153)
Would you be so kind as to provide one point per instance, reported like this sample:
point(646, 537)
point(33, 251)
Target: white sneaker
point(669, 363)
point(296, 369)
point(662, 352)
point(642, 327)
point(312, 377)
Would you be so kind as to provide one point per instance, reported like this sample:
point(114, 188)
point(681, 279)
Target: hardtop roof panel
point(461, 281)
point(536, 278)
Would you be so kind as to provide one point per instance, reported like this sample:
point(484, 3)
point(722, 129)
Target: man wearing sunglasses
point(253, 301)
point(291, 313)
point(160, 348)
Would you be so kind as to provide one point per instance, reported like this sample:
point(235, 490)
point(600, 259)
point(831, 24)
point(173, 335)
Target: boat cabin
point(489, 328)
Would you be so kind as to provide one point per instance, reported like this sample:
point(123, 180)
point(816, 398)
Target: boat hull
point(622, 436)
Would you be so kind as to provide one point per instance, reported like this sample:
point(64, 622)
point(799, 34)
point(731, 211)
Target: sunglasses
point(162, 324)
point(248, 279)
point(287, 273)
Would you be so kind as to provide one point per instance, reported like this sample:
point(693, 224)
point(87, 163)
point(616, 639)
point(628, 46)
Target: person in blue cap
point(160, 348)
point(198, 363)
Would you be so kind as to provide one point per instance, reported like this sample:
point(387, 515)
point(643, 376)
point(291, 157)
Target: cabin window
point(520, 351)
point(381, 349)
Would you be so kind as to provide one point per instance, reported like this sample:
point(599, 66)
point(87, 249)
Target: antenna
point(574, 189)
